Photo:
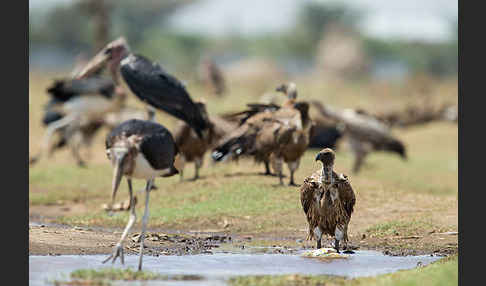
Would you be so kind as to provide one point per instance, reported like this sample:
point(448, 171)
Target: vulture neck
point(326, 175)
point(289, 103)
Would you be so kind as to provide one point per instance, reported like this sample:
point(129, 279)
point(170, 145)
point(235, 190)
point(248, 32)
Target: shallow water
point(216, 268)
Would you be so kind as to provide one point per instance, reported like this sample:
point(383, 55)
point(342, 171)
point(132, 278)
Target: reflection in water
point(218, 267)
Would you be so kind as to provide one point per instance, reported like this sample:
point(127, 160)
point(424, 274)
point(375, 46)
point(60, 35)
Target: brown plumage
point(292, 140)
point(328, 201)
point(193, 148)
point(213, 76)
point(364, 132)
point(270, 132)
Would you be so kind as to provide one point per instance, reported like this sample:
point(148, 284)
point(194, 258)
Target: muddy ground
point(47, 238)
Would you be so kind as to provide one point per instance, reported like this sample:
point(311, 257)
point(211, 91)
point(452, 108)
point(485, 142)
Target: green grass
point(234, 191)
point(93, 277)
point(443, 272)
point(399, 228)
point(115, 274)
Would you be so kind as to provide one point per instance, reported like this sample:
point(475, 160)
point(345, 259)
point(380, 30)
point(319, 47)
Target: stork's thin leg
point(118, 249)
point(144, 221)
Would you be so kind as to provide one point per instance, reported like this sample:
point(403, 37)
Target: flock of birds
point(140, 148)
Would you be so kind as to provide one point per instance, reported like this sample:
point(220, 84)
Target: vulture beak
point(119, 161)
point(318, 157)
point(95, 64)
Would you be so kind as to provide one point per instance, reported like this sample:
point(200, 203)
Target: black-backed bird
point(149, 82)
point(139, 149)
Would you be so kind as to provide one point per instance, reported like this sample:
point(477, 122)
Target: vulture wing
point(346, 193)
point(150, 83)
point(65, 89)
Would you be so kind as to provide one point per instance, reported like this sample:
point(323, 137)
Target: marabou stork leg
point(118, 249)
point(144, 220)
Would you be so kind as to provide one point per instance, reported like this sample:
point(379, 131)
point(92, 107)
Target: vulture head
point(289, 89)
point(326, 157)
point(110, 55)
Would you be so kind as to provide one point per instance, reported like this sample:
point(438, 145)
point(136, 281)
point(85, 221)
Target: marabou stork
point(149, 82)
point(139, 149)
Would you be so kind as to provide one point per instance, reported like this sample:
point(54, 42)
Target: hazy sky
point(416, 19)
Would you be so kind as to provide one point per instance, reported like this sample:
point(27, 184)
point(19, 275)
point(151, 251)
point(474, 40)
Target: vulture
point(139, 149)
point(193, 148)
point(364, 133)
point(70, 135)
point(213, 76)
point(328, 201)
point(76, 104)
point(149, 82)
point(270, 133)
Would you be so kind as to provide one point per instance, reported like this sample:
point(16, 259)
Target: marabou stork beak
point(95, 64)
point(119, 161)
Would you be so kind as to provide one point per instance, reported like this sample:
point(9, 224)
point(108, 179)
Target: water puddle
point(218, 267)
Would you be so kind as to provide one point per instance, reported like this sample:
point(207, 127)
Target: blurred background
point(396, 61)
point(354, 39)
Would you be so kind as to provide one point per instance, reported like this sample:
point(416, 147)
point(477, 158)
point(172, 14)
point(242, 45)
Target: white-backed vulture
point(364, 133)
point(191, 147)
point(212, 76)
point(270, 130)
point(328, 201)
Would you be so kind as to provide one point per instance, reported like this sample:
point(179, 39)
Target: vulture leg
point(292, 168)
point(182, 164)
point(144, 220)
point(359, 151)
point(277, 163)
point(76, 140)
point(151, 113)
point(118, 249)
point(53, 127)
point(339, 235)
point(267, 169)
point(318, 236)
point(198, 163)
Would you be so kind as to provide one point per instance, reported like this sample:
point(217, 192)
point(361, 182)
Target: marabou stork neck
point(143, 150)
point(149, 82)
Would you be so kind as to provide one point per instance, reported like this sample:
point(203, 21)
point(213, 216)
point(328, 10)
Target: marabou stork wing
point(65, 89)
point(150, 83)
point(157, 144)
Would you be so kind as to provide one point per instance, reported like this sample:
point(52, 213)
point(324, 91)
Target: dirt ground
point(47, 238)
